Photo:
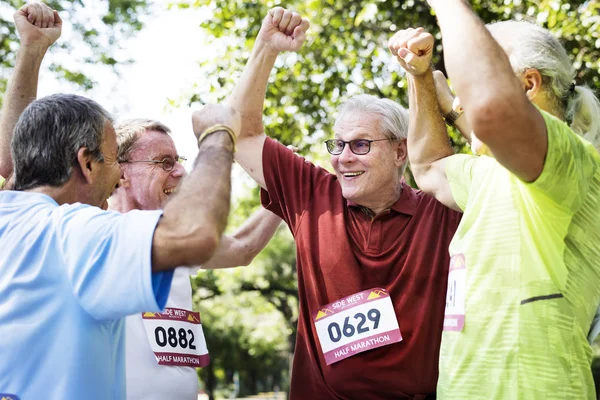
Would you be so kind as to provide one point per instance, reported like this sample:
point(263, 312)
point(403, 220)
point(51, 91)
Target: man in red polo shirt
point(372, 253)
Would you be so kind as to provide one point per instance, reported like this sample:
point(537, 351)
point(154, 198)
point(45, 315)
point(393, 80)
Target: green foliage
point(345, 54)
point(249, 317)
point(118, 20)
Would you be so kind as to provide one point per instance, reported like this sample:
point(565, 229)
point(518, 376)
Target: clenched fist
point(413, 48)
point(283, 30)
point(38, 24)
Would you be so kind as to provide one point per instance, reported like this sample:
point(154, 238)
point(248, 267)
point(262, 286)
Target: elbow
point(420, 173)
point(424, 178)
point(204, 247)
point(246, 254)
point(246, 259)
point(202, 243)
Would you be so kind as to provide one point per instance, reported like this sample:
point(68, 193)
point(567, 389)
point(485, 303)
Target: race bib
point(357, 323)
point(454, 315)
point(176, 337)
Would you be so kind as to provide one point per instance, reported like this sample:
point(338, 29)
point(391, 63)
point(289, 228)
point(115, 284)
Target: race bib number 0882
point(176, 337)
point(357, 323)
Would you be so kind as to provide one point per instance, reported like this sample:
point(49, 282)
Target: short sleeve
point(460, 171)
point(109, 260)
point(292, 182)
point(568, 166)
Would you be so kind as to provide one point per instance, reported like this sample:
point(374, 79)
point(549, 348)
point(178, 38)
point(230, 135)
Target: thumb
point(402, 53)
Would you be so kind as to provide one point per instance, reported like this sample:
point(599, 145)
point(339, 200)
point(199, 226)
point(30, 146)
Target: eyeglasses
point(357, 146)
point(168, 163)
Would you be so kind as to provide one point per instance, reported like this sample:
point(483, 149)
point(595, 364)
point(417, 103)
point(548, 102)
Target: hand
point(216, 114)
point(283, 30)
point(413, 48)
point(38, 24)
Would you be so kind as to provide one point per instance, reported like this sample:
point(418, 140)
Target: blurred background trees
point(97, 29)
point(249, 314)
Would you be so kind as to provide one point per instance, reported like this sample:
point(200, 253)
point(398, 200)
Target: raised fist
point(283, 30)
point(216, 114)
point(37, 24)
point(413, 48)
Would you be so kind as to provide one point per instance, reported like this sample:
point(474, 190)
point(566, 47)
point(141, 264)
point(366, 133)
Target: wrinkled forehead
point(154, 144)
point(357, 124)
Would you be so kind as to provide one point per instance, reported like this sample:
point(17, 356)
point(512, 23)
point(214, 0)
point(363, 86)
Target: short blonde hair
point(129, 131)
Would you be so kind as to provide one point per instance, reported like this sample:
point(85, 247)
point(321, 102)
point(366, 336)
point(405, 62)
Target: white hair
point(393, 117)
point(393, 121)
point(537, 48)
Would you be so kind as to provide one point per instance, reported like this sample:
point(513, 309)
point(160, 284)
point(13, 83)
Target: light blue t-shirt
point(68, 275)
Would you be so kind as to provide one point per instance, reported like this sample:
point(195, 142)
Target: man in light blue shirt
point(70, 271)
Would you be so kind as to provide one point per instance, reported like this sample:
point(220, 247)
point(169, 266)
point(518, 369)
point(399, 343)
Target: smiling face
point(371, 180)
point(148, 186)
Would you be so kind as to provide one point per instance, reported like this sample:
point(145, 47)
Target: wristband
point(451, 117)
point(218, 128)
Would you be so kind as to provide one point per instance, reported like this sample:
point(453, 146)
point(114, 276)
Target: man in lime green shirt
point(525, 271)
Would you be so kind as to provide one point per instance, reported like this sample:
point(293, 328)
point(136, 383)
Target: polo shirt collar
point(406, 203)
point(14, 196)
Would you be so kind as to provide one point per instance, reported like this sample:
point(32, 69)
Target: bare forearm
point(22, 90)
point(249, 94)
point(245, 244)
point(462, 124)
point(466, 39)
point(427, 135)
point(193, 221)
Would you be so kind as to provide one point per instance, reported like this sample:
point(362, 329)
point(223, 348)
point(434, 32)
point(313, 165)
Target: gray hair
point(129, 131)
point(537, 48)
point(48, 135)
point(393, 120)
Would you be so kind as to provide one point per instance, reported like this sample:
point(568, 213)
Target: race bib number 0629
point(357, 323)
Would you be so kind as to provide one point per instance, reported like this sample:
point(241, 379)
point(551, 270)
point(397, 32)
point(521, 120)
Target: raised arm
point(448, 102)
point(240, 248)
point(193, 221)
point(39, 27)
point(428, 143)
point(495, 103)
point(281, 30)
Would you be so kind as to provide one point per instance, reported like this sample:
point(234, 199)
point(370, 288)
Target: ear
point(401, 153)
point(84, 159)
point(124, 180)
point(531, 79)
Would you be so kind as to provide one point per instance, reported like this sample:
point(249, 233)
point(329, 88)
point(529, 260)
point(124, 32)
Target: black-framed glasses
point(168, 163)
point(359, 147)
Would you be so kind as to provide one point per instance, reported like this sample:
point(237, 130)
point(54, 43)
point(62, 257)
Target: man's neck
point(120, 203)
point(376, 208)
point(65, 194)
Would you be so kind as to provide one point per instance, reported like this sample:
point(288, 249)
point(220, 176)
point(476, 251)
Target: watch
point(451, 117)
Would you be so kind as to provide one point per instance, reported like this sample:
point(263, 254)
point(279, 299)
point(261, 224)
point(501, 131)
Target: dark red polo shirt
point(341, 251)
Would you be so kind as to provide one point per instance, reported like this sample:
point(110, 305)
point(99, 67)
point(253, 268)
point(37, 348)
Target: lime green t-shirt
point(1, 182)
point(532, 255)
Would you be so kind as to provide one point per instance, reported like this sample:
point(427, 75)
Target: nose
point(346, 156)
point(178, 170)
